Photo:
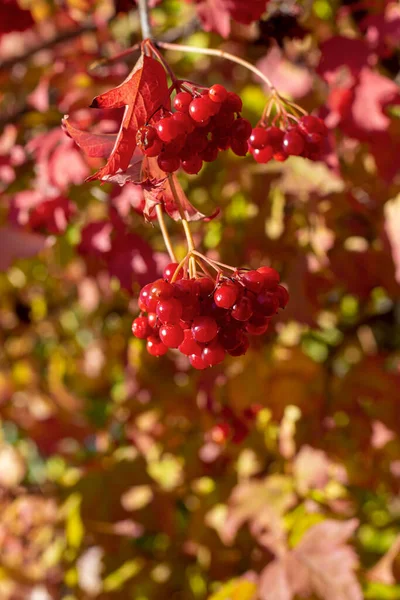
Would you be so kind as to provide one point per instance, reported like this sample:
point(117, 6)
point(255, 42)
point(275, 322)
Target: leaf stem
point(144, 16)
point(221, 54)
point(165, 234)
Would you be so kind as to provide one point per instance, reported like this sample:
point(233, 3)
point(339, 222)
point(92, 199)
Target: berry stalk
point(164, 231)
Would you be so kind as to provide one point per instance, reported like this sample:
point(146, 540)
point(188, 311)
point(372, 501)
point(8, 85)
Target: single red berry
point(155, 346)
point(171, 335)
point(204, 329)
point(239, 147)
point(225, 295)
point(241, 129)
point(283, 295)
point(257, 325)
point(230, 337)
point(169, 311)
point(169, 165)
point(243, 309)
point(270, 276)
point(213, 354)
point(217, 93)
point(233, 102)
point(154, 149)
point(162, 289)
point(311, 124)
point(253, 280)
point(182, 101)
point(275, 138)
point(168, 129)
point(200, 109)
point(210, 153)
point(293, 143)
point(258, 138)
point(189, 345)
point(267, 303)
point(197, 362)
point(185, 123)
point(280, 156)
point(153, 320)
point(141, 328)
point(169, 272)
point(192, 165)
point(144, 295)
point(263, 155)
point(146, 136)
point(241, 348)
point(205, 286)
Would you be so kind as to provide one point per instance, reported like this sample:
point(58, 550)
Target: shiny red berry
point(171, 335)
point(217, 93)
point(293, 143)
point(141, 328)
point(182, 101)
point(169, 311)
point(155, 346)
point(225, 295)
point(204, 329)
point(169, 272)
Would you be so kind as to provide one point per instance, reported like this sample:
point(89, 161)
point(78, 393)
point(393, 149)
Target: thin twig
point(221, 54)
point(165, 234)
point(144, 16)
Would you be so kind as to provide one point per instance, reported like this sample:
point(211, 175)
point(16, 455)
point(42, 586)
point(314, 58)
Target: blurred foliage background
point(125, 476)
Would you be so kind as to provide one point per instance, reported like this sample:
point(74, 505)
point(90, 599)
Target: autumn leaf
point(143, 92)
point(16, 243)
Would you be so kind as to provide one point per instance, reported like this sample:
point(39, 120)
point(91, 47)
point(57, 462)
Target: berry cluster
point(304, 138)
point(206, 319)
point(204, 122)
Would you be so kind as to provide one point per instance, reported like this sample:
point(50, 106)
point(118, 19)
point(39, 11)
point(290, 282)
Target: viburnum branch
point(164, 231)
point(162, 60)
point(144, 16)
point(221, 54)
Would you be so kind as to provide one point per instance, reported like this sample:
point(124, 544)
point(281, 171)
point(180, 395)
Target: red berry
point(293, 143)
point(243, 309)
point(185, 123)
point(192, 165)
point(263, 155)
point(141, 328)
point(241, 348)
point(225, 296)
point(283, 296)
point(311, 124)
point(162, 289)
point(169, 272)
point(213, 354)
point(253, 280)
point(257, 325)
point(144, 296)
point(146, 136)
point(201, 109)
point(171, 335)
point(169, 311)
point(217, 93)
point(275, 138)
point(270, 276)
point(189, 345)
point(258, 138)
point(210, 153)
point(168, 129)
point(267, 303)
point(169, 165)
point(205, 286)
point(154, 149)
point(182, 101)
point(197, 362)
point(239, 147)
point(153, 320)
point(241, 129)
point(204, 329)
point(155, 347)
point(233, 102)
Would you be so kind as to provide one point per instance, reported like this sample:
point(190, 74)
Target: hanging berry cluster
point(202, 315)
point(205, 319)
point(204, 122)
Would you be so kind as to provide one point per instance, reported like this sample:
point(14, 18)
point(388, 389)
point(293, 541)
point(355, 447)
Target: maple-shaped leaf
point(97, 145)
point(143, 92)
point(322, 563)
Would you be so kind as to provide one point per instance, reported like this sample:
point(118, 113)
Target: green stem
point(221, 54)
point(165, 234)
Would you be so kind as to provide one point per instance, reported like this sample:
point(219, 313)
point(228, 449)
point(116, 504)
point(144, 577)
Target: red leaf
point(15, 243)
point(98, 145)
point(142, 93)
